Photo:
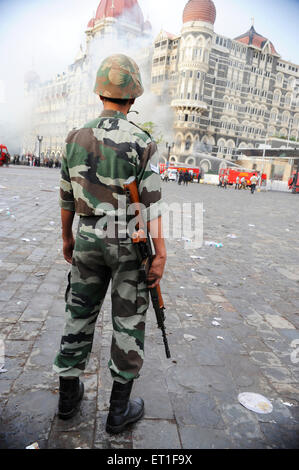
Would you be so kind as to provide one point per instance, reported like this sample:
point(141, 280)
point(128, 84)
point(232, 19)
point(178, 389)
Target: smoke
point(45, 37)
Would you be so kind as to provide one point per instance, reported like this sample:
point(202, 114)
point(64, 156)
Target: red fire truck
point(4, 155)
point(232, 174)
point(294, 181)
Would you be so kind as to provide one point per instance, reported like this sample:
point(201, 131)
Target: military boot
point(70, 394)
point(122, 410)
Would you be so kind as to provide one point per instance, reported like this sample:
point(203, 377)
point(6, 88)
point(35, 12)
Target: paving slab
point(191, 399)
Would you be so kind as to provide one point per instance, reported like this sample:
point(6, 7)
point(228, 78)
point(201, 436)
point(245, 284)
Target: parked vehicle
point(294, 181)
point(4, 155)
point(233, 173)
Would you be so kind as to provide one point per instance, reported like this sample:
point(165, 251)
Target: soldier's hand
point(68, 248)
point(156, 272)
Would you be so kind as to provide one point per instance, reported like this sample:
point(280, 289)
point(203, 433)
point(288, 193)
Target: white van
point(172, 174)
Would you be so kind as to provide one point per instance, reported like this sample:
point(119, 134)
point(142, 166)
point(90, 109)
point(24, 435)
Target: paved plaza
point(249, 287)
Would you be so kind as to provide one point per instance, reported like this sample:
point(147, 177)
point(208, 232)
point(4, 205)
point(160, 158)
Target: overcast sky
point(46, 34)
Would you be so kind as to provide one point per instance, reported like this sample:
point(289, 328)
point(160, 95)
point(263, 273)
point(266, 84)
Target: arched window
point(221, 145)
point(287, 99)
point(279, 78)
point(188, 143)
point(276, 96)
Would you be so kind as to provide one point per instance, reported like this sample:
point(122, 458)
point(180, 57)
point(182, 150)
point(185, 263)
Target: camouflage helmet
point(118, 77)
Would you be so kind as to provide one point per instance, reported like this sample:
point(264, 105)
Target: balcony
point(191, 105)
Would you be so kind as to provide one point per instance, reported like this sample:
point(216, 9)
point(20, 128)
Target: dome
point(147, 26)
point(115, 8)
point(91, 23)
point(200, 10)
point(252, 38)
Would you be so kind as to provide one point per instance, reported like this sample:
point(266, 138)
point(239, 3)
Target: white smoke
point(45, 38)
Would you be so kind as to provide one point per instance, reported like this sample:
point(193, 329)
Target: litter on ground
point(255, 402)
point(220, 337)
point(215, 323)
point(189, 337)
point(33, 446)
point(211, 243)
point(232, 235)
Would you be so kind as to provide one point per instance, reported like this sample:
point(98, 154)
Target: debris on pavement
point(188, 314)
point(25, 239)
point(217, 318)
point(231, 235)
point(255, 402)
point(287, 403)
point(2, 370)
point(251, 225)
point(52, 222)
point(211, 243)
point(215, 323)
point(33, 446)
point(197, 257)
point(39, 274)
point(220, 337)
point(189, 337)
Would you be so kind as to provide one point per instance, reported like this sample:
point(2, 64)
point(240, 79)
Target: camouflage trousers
point(95, 262)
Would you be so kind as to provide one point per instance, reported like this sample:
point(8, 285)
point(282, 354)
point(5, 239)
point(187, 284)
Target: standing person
point(199, 176)
point(220, 181)
point(253, 181)
point(110, 149)
point(181, 177)
point(243, 182)
point(186, 178)
point(225, 181)
point(237, 182)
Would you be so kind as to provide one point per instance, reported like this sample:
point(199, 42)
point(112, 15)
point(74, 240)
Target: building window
point(186, 117)
point(198, 75)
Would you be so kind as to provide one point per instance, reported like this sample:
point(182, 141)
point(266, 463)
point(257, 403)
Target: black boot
point(70, 394)
point(122, 410)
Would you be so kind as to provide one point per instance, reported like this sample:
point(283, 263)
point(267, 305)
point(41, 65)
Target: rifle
point(145, 257)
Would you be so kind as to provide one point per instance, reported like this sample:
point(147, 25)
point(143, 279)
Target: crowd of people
point(241, 183)
point(184, 177)
point(31, 160)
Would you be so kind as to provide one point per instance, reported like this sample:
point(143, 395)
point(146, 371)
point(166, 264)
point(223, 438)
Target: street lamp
point(40, 139)
point(169, 147)
point(263, 164)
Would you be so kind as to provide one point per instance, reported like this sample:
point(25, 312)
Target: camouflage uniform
point(99, 158)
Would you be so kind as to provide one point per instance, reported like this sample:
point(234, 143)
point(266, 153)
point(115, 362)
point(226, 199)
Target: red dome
point(91, 23)
point(200, 10)
point(116, 8)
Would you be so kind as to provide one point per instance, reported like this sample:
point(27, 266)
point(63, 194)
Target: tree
point(151, 128)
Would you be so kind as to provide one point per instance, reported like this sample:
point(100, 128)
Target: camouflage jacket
point(100, 157)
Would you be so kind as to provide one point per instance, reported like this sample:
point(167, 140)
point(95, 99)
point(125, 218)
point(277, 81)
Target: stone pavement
point(191, 400)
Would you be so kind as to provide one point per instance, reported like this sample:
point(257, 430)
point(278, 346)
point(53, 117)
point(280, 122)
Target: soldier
point(99, 158)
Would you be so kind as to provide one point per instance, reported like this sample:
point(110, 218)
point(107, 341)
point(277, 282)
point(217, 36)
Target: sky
point(45, 36)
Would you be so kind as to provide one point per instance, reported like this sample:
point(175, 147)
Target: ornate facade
point(227, 94)
point(68, 101)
